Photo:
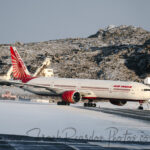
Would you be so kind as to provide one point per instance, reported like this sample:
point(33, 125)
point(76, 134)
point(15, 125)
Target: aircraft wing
point(56, 91)
point(21, 85)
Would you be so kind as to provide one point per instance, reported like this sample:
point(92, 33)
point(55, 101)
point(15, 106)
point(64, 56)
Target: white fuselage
point(107, 89)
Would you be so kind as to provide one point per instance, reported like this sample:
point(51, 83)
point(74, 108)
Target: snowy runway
point(50, 120)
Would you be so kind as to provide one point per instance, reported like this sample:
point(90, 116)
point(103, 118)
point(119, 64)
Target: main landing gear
point(90, 104)
point(63, 103)
point(141, 105)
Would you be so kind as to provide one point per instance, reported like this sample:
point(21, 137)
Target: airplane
point(74, 90)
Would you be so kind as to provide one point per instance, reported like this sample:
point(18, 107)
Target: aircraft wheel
point(90, 105)
point(58, 103)
point(140, 108)
point(68, 104)
point(85, 104)
point(94, 105)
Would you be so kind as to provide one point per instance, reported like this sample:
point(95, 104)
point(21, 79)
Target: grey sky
point(43, 20)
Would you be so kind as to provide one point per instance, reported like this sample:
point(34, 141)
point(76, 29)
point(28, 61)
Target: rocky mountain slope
point(116, 53)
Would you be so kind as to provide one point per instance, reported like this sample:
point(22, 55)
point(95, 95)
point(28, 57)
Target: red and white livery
point(74, 90)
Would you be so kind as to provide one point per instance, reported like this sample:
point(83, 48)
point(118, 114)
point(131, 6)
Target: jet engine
point(71, 96)
point(118, 102)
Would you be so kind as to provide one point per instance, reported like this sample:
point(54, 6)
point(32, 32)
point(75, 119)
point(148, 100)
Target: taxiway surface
point(105, 123)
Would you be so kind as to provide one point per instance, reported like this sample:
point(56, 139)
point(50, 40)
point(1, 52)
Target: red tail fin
point(20, 71)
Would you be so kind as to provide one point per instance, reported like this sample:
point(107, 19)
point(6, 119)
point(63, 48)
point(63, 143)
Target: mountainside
point(116, 53)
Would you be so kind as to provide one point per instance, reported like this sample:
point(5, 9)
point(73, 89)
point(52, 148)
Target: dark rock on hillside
point(147, 43)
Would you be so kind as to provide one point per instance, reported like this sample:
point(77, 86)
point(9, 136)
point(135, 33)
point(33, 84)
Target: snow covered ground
point(50, 120)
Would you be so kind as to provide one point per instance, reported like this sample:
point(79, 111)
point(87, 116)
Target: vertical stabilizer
point(20, 71)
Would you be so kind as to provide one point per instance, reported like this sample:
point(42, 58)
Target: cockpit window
point(146, 89)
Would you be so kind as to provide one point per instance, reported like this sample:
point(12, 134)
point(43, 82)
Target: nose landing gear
point(141, 105)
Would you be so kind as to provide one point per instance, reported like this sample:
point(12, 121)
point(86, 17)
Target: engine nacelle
point(71, 96)
point(118, 102)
